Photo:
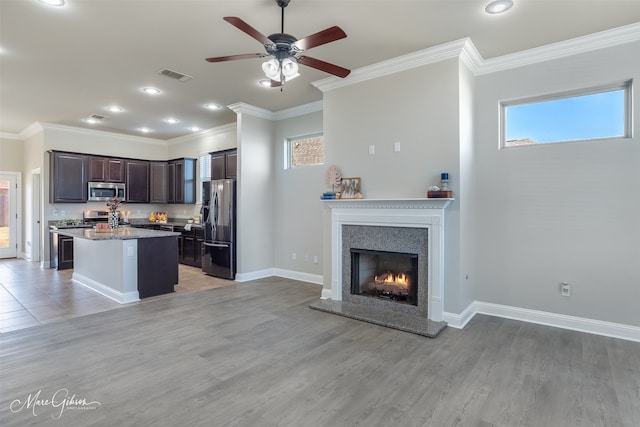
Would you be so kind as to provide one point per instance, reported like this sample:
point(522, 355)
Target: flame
point(390, 280)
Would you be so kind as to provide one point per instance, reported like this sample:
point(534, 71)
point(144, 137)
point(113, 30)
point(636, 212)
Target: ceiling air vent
point(174, 75)
point(97, 117)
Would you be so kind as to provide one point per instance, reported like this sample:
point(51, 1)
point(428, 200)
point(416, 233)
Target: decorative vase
point(113, 219)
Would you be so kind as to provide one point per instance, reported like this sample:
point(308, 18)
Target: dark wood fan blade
point(234, 57)
point(275, 83)
point(323, 37)
point(324, 66)
point(248, 29)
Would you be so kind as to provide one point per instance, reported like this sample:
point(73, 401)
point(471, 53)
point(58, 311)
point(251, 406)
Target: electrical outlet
point(565, 289)
point(293, 256)
point(315, 259)
point(306, 258)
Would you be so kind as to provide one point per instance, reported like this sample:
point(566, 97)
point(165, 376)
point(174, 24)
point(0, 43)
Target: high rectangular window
point(595, 113)
point(304, 151)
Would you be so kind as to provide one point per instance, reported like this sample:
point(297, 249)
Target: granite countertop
point(137, 222)
point(122, 233)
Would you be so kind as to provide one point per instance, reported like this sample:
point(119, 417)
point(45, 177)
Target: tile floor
point(31, 296)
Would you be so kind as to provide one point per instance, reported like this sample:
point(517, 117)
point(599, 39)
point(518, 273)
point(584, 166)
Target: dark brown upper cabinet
point(106, 169)
point(68, 177)
point(182, 181)
point(224, 164)
point(137, 173)
point(159, 179)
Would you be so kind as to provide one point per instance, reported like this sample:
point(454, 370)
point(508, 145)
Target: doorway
point(9, 214)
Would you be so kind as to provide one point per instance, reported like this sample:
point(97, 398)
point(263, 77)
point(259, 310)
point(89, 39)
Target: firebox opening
point(385, 275)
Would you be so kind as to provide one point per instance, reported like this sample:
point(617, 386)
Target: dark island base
point(157, 266)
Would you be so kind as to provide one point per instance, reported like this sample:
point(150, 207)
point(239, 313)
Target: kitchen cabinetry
point(224, 164)
point(106, 169)
point(159, 179)
point(61, 249)
point(191, 250)
point(68, 177)
point(137, 173)
point(182, 181)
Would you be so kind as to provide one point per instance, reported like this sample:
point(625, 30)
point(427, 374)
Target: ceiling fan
point(286, 50)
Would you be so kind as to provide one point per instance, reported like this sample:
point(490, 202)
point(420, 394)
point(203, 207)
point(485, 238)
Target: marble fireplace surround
point(411, 213)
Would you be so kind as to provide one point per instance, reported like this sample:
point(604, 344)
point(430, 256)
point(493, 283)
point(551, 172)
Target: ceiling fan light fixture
point(265, 83)
point(498, 6)
point(289, 68)
point(271, 69)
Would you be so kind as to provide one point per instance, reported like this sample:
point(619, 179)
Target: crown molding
point(94, 132)
point(466, 51)
point(7, 135)
point(401, 63)
point(31, 130)
point(608, 38)
point(300, 110)
point(207, 132)
point(252, 110)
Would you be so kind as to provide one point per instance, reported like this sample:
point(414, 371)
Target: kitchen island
point(125, 264)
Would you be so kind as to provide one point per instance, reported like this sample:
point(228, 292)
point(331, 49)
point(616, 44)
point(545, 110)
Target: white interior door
point(8, 216)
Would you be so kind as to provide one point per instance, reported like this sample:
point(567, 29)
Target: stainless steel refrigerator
point(219, 221)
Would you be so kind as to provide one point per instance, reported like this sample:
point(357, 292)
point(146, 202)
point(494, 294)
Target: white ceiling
point(61, 64)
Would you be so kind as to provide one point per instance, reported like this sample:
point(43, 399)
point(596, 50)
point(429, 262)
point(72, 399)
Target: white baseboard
point(581, 324)
point(122, 298)
point(298, 275)
point(254, 275)
point(326, 294)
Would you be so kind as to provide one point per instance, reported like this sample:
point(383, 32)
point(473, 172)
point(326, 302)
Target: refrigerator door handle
point(215, 245)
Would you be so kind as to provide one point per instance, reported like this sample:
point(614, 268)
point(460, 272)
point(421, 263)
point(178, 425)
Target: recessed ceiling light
point(265, 83)
point(53, 2)
point(115, 109)
point(212, 106)
point(498, 6)
point(144, 130)
point(171, 120)
point(91, 121)
point(194, 128)
point(151, 90)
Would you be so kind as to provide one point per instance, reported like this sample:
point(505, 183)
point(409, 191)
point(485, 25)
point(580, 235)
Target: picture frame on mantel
point(350, 188)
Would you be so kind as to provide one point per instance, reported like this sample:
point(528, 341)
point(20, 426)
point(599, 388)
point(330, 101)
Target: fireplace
point(391, 276)
point(405, 226)
point(374, 242)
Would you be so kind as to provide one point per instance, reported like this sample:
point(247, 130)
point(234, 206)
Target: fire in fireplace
point(385, 275)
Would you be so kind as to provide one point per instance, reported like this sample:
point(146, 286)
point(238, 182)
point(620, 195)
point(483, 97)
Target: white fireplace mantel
point(415, 213)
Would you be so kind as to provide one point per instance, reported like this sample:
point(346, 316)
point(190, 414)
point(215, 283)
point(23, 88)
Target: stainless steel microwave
point(104, 191)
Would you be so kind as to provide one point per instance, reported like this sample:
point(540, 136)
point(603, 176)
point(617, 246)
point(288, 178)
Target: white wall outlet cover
point(396, 146)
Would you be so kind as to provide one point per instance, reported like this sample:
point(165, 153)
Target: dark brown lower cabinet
point(61, 251)
point(191, 247)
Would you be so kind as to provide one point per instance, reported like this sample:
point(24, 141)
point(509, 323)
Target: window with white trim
point(588, 114)
point(305, 150)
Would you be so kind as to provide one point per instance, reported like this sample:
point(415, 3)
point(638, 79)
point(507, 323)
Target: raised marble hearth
point(411, 226)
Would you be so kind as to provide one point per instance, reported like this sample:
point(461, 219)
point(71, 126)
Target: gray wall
point(298, 210)
point(255, 194)
point(560, 212)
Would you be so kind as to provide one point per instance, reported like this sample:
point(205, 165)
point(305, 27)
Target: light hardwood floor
point(31, 296)
point(254, 354)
